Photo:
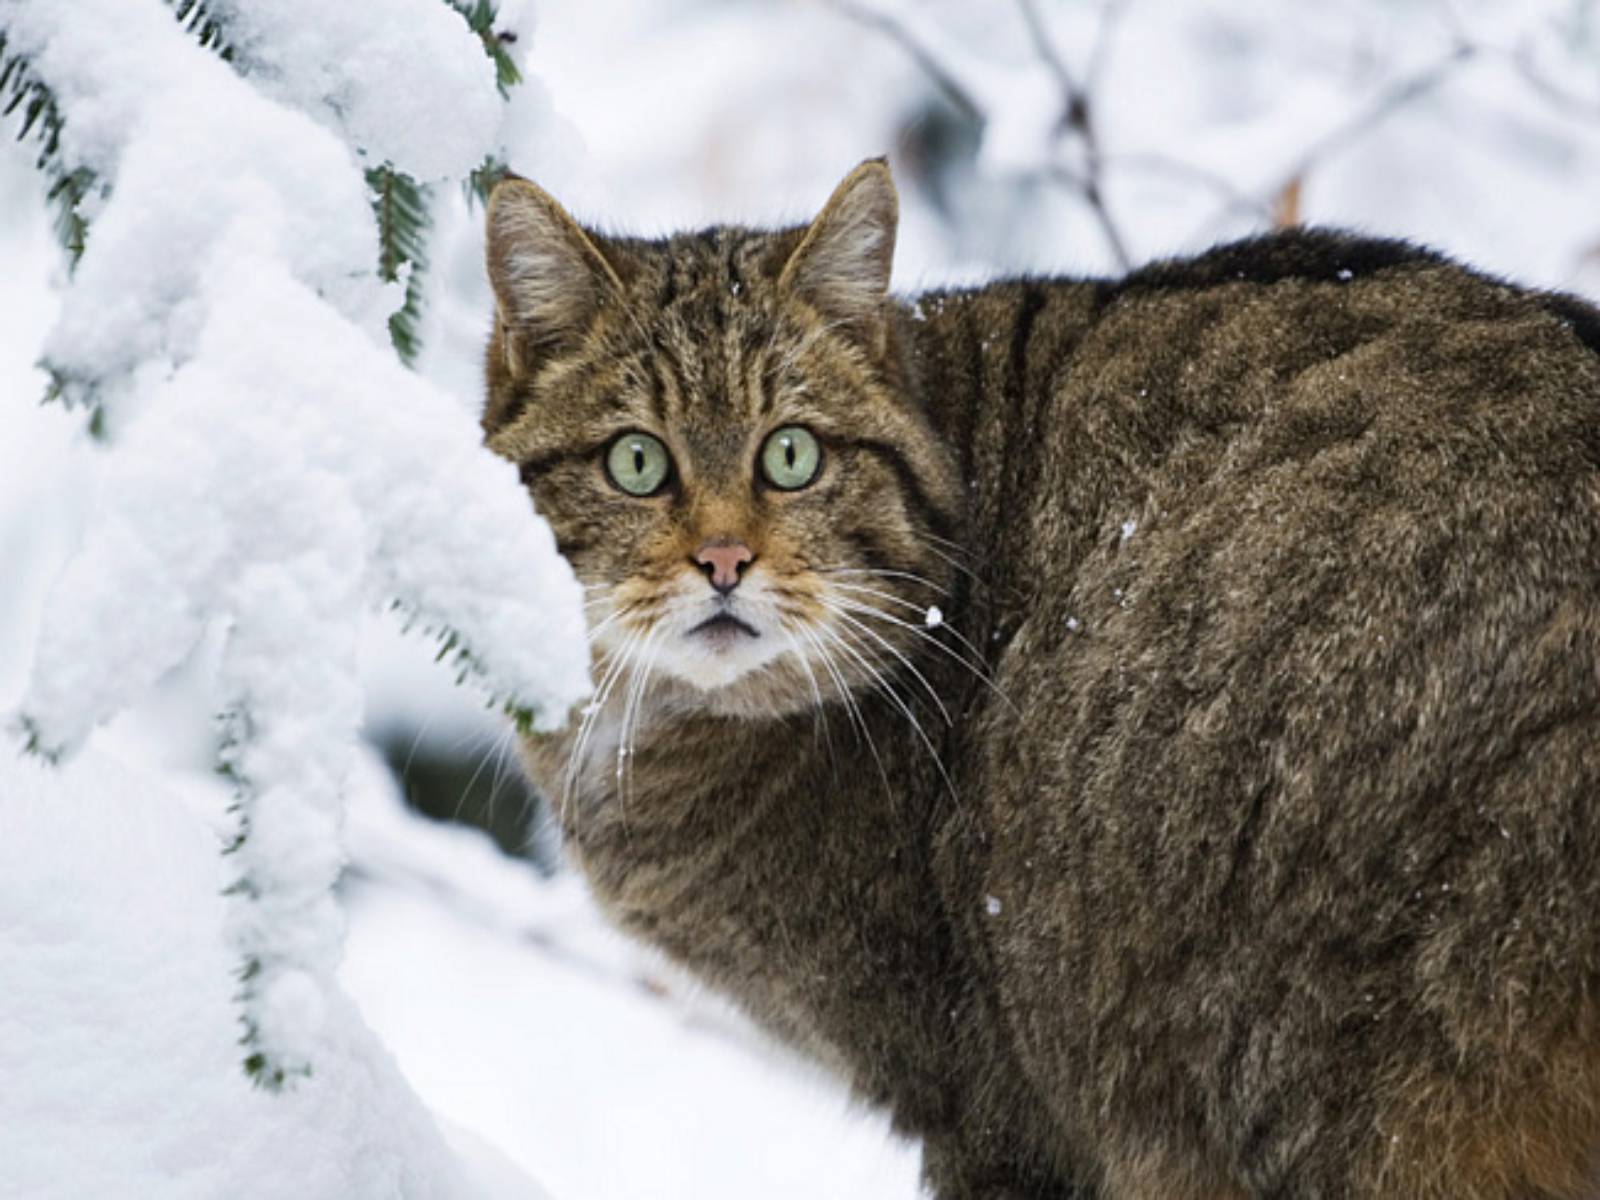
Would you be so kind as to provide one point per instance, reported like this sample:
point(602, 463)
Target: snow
point(119, 1034)
point(933, 618)
point(274, 471)
point(356, 67)
point(520, 1015)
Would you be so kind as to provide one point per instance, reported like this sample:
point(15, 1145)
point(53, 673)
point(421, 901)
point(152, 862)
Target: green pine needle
point(33, 743)
point(400, 204)
point(21, 90)
point(197, 21)
point(480, 17)
point(483, 179)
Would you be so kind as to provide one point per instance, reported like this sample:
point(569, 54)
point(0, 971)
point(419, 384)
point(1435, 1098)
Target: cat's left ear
point(841, 266)
point(550, 277)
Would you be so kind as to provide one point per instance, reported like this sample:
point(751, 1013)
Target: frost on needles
point(272, 472)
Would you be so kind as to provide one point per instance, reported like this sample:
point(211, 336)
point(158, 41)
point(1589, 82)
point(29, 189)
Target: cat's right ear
point(550, 279)
point(841, 266)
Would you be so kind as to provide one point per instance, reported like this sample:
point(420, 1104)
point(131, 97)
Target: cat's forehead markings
point(706, 324)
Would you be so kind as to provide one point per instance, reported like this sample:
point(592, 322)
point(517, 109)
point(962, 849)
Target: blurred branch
point(1276, 204)
point(903, 36)
point(1076, 109)
point(1161, 164)
point(1110, 17)
point(1391, 100)
point(1077, 117)
point(1573, 105)
point(1076, 114)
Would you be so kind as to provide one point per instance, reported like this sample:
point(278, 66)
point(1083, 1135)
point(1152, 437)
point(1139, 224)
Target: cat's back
point(1293, 553)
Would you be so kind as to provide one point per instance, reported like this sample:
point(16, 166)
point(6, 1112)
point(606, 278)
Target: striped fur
point(1249, 844)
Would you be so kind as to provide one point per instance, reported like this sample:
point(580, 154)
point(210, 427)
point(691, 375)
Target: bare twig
point(1076, 102)
point(1100, 54)
point(1089, 191)
point(1571, 104)
point(1391, 100)
point(1077, 116)
point(1397, 96)
point(1075, 108)
point(1162, 164)
point(903, 36)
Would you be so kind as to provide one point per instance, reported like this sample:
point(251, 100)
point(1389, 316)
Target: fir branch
point(483, 179)
point(400, 204)
point(33, 743)
point(480, 18)
point(196, 19)
point(21, 90)
point(264, 1070)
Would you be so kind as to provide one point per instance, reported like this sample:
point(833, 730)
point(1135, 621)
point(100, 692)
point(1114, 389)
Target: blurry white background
point(1060, 136)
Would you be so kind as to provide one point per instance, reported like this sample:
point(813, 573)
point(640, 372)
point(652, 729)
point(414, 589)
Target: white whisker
point(920, 610)
point(894, 697)
point(590, 715)
point(843, 615)
point(626, 735)
point(857, 720)
point(821, 717)
point(928, 636)
point(883, 573)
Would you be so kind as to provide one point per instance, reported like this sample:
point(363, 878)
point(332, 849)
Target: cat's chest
point(801, 889)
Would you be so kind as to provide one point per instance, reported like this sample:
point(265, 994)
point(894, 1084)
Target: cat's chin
point(737, 680)
point(718, 654)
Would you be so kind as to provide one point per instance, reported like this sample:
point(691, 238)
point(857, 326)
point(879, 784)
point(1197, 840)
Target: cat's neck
point(983, 359)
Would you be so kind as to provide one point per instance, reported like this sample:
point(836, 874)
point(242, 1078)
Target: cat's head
point(718, 428)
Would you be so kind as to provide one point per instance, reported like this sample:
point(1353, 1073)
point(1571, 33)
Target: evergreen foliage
point(401, 209)
point(480, 17)
point(400, 205)
point(21, 90)
point(196, 19)
point(399, 202)
point(481, 182)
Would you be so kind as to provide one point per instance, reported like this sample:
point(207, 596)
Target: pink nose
point(723, 561)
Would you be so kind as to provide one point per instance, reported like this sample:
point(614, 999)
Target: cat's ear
point(841, 266)
point(550, 279)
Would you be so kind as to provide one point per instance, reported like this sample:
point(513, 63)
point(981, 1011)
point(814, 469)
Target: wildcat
point(1143, 733)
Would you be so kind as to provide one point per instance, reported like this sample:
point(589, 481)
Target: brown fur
point(1261, 858)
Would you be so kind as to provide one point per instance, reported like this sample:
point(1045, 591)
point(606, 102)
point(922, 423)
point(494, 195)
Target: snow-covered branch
point(273, 472)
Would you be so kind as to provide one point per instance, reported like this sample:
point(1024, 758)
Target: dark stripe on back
point(1020, 424)
point(1580, 316)
point(1034, 298)
point(669, 290)
point(735, 280)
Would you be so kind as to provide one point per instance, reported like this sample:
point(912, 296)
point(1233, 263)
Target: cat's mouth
point(724, 626)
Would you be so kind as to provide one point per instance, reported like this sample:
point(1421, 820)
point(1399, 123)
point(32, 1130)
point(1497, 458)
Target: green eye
point(638, 464)
point(790, 458)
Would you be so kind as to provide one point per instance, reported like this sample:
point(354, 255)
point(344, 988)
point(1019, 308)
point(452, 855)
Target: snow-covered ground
point(496, 1032)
